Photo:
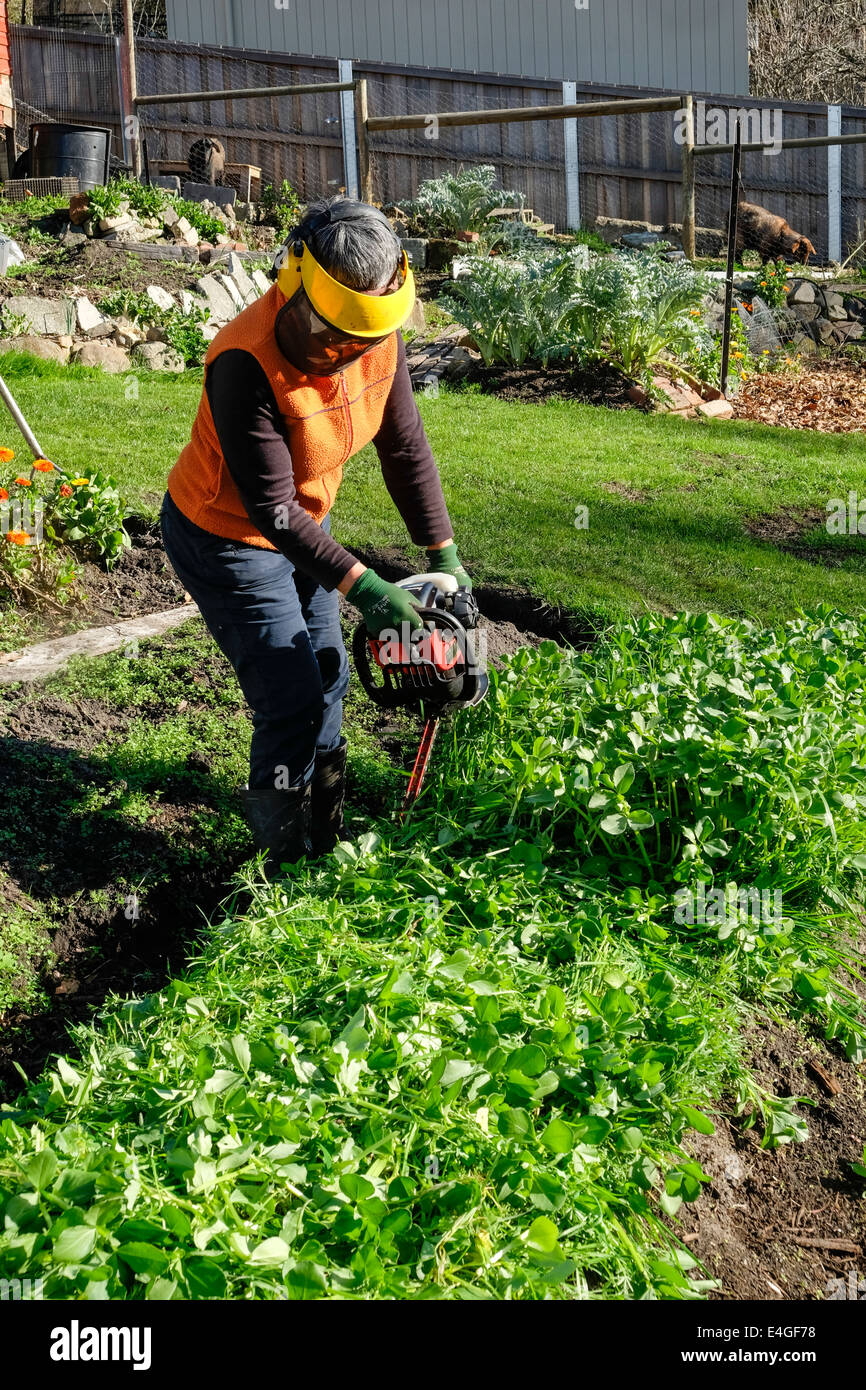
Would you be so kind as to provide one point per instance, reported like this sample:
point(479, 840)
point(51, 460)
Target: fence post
point(834, 186)
point(131, 79)
point(347, 124)
point(689, 178)
point(361, 113)
point(572, 166)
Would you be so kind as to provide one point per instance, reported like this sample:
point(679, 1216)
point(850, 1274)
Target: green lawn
point(514, 475)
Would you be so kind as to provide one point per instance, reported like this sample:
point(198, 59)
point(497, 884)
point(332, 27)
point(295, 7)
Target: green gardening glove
point(383, 605)
point(447, 561)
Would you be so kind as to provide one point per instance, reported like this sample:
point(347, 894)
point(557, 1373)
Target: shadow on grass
point(128, 880)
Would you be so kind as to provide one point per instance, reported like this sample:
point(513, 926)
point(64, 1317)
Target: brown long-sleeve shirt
point(254, 442)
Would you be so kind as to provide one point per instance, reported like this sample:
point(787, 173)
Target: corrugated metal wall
point(689, 45)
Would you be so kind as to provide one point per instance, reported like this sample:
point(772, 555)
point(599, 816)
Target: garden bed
point(598, 384)
point(772, 1223)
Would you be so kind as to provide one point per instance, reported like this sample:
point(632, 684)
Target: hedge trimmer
point(434, 666)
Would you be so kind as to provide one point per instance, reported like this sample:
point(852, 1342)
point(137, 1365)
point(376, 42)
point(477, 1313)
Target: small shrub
point(459, 202)
point(281, 206)
point(518, 311)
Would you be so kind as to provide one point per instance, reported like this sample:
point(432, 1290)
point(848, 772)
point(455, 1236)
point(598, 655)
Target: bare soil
point(95, 267)
point(801, 531)
point(600, 384)
point(781, 1224)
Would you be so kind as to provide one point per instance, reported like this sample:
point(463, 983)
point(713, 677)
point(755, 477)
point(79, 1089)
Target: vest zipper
point(348, 417)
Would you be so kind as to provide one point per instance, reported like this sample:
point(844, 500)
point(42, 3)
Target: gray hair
point(353, 241)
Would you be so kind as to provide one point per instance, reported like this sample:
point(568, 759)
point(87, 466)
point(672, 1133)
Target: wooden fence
point(630, 166)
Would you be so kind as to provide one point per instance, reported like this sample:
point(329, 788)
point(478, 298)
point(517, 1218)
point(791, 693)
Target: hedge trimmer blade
point(422, 762)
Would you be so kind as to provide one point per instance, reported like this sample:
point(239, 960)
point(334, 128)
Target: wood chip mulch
point(828, 397)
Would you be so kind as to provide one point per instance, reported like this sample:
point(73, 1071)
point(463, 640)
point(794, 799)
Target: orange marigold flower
point(66, 490)
point(4, 495)
point(18, 537)
point(23, 482)
point(7, 455)
point(44, 466)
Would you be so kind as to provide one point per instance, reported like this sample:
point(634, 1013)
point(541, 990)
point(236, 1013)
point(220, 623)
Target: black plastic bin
point(70, 151)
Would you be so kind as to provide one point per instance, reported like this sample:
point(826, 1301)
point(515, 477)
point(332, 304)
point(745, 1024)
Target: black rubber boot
point(327, 798)
point(279, 821)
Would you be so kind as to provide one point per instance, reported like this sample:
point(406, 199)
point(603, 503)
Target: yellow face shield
point(357, 315)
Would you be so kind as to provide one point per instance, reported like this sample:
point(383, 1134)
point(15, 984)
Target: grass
point(514, 475)
point(103, 822)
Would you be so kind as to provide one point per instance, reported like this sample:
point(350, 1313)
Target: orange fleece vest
point(328, 419)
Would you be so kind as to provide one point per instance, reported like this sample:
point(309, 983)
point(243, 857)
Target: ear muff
point(349, 311)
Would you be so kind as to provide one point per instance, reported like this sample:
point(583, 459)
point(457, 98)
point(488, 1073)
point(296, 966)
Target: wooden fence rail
point(629, 164)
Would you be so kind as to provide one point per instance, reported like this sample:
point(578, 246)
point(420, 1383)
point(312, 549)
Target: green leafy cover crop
point(462, 1059)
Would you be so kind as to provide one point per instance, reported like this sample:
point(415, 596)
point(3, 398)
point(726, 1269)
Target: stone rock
point(218, 299)
point(120, 221)
point(853, 331)
point(261, 281)
point(212, 193)
point(91, 323)
point(209, 331)
point(230, 286)
point(108, 356)
point(245, 212)
point(158, 357)
point(79, 208)
point(235, 267)
point(49, 316)
point(129, 330)
point(802, 293)
point(824, 331)
point(37, 347)
point(90, 227)
point(639, 241)
point(171, 182)
point(613, 229)
point(833, 300)
point(460, 361)
point(806, 312)
point(155, 334)
point(72, 236)
point(715, 410)
point(161, 298)
point(65, 340)
point(187, 302)
point(836, 312)
point(416, 250)
point(183, 232)
point(170, 217)
point(417, 320)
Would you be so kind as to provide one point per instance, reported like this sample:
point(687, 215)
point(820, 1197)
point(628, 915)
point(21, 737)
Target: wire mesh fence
point(66, 77)
point(626, 166)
